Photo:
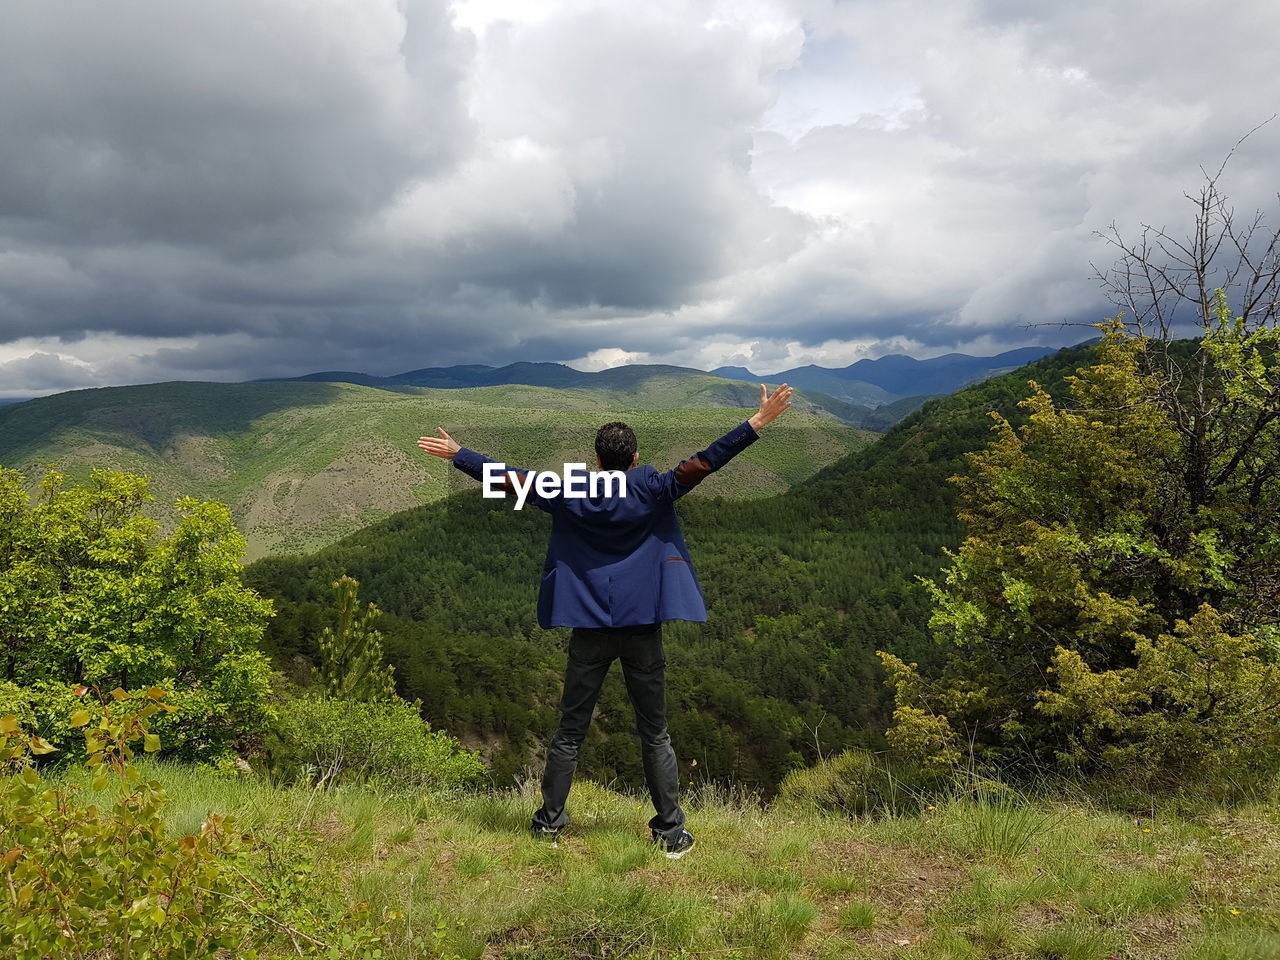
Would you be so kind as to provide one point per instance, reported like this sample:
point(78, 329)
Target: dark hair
point(615, 446)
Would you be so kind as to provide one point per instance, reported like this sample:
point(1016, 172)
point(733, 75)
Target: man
point(616, 568)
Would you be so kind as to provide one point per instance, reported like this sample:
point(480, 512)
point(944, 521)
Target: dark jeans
point(591, 654)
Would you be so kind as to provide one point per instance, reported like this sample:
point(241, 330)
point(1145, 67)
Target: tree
point(1117, 599)
point(351, 651)
point(1099, 612)
point(90, 593)
point(1218, 284)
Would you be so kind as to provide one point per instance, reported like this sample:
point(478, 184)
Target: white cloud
point(608, 357)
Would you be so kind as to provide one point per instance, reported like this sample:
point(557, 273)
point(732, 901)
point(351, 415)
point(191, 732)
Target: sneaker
point(552, 835)
point(677, 848)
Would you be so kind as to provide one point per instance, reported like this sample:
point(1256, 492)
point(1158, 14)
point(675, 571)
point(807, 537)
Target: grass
point(1062, 881)
point(858, 915)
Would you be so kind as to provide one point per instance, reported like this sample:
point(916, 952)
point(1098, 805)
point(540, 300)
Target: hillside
point(856, 402)
point(868, 381)
point(802, 589)
point(662, 384)
point(303, 463)
point(953, 879)
point(871, 394)
point(626, 377)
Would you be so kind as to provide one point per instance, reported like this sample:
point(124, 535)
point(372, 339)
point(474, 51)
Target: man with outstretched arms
point(616, 568)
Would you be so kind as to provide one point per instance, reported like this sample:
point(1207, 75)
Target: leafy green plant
point(858, 782)
point(381, 742)
point(100, 876)
point(1108, 610)
point(91, 593)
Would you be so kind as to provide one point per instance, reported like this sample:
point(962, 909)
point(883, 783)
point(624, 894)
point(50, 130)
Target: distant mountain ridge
point(895, 382)
point(895, 374)
point(526, 373)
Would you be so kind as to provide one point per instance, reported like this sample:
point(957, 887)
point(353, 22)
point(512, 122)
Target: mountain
point(821, 379)
point(646, 383)
point(536, 374)
point(883, 418)
point(304, 463)
point(871, 394)
point(734, 373)
point(907, 376)
point(892, 377)
point(802, 589)
point(850, 400)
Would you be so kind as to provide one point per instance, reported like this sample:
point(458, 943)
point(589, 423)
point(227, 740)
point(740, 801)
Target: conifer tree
point(351, 651)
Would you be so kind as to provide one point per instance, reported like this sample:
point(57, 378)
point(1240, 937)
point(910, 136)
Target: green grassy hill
point(302, 463)
point(955, 879)
point(855, 397)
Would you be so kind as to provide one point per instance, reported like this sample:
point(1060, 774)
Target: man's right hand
point(442, 448)
point(771, 406)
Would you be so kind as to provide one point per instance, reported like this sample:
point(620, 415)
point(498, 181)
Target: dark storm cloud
point(247, 129)
point(236, 189)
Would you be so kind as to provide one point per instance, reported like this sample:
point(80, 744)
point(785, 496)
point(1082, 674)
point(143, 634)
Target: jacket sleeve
point(472, 464)
point(674, 484)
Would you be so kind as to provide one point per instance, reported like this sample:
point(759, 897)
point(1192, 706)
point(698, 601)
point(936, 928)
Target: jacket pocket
point(678, 595)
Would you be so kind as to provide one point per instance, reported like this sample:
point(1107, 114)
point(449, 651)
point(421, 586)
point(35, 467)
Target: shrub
point(858, 782)
point(42, 708)
point(1199, 697)
point(84, 879)
point(92, 594)
point(383, 743)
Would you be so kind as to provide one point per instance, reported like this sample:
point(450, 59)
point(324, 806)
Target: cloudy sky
point(226, 189)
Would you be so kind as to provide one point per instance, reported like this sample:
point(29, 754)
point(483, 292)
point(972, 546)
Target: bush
point(383, 743)
point(42, 708)
point(92, 594)
point(83, 879)
point(1199, 698)
point(858, 782)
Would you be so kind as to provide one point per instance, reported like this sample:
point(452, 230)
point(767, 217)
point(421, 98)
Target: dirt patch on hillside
point(369, 478)
point(198, 457)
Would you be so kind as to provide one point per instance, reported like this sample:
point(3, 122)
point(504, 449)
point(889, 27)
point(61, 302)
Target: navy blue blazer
point(621, 560)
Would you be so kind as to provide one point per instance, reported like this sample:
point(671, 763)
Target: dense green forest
point(802, 589)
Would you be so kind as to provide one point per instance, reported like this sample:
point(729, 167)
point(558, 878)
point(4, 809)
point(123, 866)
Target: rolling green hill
point(857, 403)
point(304, 463)
point(802, 589)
